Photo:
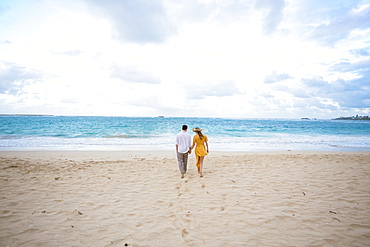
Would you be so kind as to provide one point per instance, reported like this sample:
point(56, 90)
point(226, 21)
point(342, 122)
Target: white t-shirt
point(183, 140)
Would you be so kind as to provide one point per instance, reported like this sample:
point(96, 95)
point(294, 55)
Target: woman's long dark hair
point(200, 134)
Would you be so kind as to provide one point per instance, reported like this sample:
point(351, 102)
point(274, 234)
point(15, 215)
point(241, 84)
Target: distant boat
point(161, 116)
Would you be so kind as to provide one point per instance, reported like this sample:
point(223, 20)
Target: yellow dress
point(200, 149)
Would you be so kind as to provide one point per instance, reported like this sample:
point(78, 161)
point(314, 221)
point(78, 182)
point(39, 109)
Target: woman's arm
point(193, 144)
point(207, 147)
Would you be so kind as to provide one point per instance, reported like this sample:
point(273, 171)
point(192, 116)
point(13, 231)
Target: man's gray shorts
point(183, 161)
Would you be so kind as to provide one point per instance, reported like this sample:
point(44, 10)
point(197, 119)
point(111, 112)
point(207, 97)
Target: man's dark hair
point(184, 127)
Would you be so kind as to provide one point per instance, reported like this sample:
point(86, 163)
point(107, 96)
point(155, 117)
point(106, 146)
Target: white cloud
point(276, 77)
point(132, 74)
point(201, 90)
point(14, 77)
point(272, 13)
point(135, 21)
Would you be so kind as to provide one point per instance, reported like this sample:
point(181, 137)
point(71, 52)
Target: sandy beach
point(138, 199)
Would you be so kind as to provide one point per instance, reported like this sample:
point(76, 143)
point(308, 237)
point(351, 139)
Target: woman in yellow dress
point(201, 142)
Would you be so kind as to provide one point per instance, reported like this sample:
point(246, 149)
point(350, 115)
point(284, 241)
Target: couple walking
point(184, 147)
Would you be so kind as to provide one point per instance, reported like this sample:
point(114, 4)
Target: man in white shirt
point(183, 148)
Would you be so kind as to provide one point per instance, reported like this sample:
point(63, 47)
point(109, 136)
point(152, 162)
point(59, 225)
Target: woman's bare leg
point(197, 164)
point(201, 159)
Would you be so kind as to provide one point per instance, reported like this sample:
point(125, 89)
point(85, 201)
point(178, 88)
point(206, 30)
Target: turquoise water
point(128, 133)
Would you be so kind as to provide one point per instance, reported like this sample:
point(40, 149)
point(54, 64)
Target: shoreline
point(126, 154)
point(137, 198)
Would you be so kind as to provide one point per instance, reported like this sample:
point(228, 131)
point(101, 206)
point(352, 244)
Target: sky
point(185, 58)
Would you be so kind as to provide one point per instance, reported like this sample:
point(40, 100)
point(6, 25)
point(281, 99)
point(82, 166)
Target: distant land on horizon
point(357, 117)
point(25, 115)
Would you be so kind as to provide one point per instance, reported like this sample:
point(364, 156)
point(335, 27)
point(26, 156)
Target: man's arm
point(190, 146)
point(177, 143)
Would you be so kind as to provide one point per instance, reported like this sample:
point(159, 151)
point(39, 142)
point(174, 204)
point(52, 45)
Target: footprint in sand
point(181, 191)
point(184, 233)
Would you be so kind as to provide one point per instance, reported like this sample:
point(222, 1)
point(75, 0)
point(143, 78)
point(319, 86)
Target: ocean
point(55, 133)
